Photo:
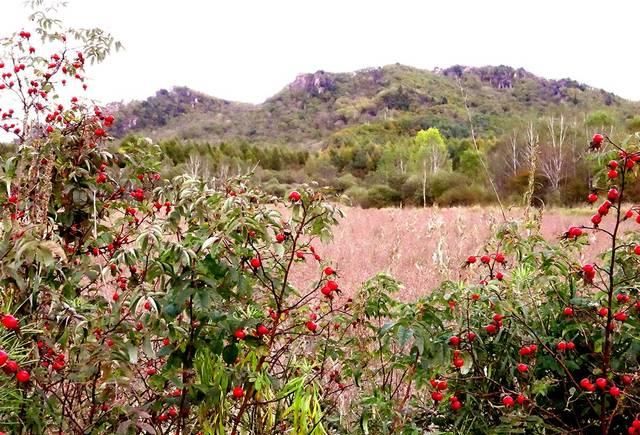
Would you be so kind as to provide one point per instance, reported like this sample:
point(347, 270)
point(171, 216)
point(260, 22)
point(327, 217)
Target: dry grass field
point(421, 247)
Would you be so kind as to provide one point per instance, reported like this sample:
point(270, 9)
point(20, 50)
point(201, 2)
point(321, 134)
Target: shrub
point(381, 195)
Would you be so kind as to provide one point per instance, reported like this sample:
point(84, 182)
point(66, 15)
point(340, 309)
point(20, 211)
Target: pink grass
point(422, 247)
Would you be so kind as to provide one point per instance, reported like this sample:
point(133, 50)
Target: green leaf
point(230, 353)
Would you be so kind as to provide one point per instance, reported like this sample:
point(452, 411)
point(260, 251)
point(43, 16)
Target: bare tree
point(512, 159)
point(553, 152)
point(531, 157)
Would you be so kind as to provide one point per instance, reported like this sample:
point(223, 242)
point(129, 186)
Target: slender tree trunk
point(424, 183)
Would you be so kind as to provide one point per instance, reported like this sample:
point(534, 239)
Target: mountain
point(315, 107)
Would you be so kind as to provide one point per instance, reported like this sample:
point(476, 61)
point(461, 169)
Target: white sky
point(248, 50)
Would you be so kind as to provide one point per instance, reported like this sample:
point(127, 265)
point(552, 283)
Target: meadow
point(421, 247)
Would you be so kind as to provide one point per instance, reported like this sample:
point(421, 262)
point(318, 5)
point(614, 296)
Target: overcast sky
point(248, 50)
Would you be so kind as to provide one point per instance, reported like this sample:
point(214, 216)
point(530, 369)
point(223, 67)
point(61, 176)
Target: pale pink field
point(422, 247)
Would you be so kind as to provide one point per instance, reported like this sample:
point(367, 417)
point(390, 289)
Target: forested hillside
point(360, 133)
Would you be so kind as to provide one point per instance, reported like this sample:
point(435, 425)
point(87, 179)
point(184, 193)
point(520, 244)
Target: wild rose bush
point(133, 303)
point(541, 343)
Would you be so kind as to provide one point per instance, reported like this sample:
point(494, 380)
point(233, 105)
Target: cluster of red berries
point(137, 194)
point(634, 429)
point(494, 327)
point(498, 257)
point(329, 288)
point(439, 386)
point(49, 357)
point(167, 206)
point(565, 346)
point(457, 359)
point(9, 366)
point(509, 402)
point(171, 413)
point(600, 384)
point(490, 261)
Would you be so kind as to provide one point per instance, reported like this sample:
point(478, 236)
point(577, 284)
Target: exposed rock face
point(499, 77)
point(314, 84)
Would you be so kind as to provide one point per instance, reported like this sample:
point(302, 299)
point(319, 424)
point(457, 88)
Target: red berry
point(521, 399)
point(586, 384)
point(613, 164)
point(147, 305)
point(456, 405)
point(596, 219)
point(614, 391)
point(500, 258)
point(115, 297)
point(471, 336)
point(261, 330)
point(166, 341)
point(485, 259)
point(621, 316)
point(454, 341)
point(603, 312)
point(475, 296)
point(601, 383)
point(588, 268)
point(625, 379)
point(255, 262)
point(441, 385)
point(508, 401)
point(571, 345)
point(636, 250)
point(11, 366)
point(151, 371)
point(597, 139)
point(561, 346)
point(613, 194)
point(522, 368)
point(574, 232)
point(568, 311)
point(458, 362)
point(3, 357)
point(436, 396)
point(294, 196)
point(240, 334)
point(499, 276)
point(471, 259)
point(491, 329)
point(311, 326)
point(612, 174)
point(23, 376)
point(592, 197)
point(10, 322)
point(623, 298)
point(329, 271)
point(238, 392)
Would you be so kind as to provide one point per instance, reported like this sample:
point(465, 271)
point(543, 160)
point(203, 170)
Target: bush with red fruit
point(133, 303)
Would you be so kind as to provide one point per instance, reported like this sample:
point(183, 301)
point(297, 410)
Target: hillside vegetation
point(357, 132)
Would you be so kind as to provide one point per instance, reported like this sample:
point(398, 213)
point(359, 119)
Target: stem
point(606, 355)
